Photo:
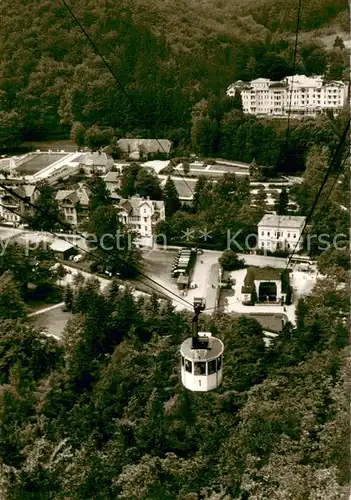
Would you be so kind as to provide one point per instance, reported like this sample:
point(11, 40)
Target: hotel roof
point(282, 221)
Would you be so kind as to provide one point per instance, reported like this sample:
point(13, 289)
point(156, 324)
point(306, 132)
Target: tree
point(205, 136)
point(332, 259)
point(10, 129)
point(61, 272)
point(129, 176)
point(97, 137)
point(68, 297)
point(338, 42)
point(78, 133)
point(230, 261)
point(200, 187)
point(100, 195)
point(47, 215)
point(282, 202)
point(22, 345)
point(226, 186)
point(171, 198)
point(338, 61)
point(115, 245)
point(11, 303)
point(147, 185)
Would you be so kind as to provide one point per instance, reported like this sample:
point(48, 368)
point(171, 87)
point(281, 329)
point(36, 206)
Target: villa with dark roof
point(142, 215)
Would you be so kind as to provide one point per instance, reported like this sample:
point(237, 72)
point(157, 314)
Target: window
point(278, 234)
point(200, 368)
point(288, 235)
point(145, 227)
point(211, 367)
point(262, 244)
point(145, 219)
point(182, 360)
point(294, 235)
point(262, 233)
point(188, 366)
point(288, 245)
point(268, 234)
point(219, 363)
point(144, 210)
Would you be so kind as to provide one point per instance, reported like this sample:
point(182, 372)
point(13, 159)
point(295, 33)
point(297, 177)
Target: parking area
point(159, 263)
point(158, 266)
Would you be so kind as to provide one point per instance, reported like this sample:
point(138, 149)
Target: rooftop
point(265, 274)
point(132, 205)
point(96, 158)
point(185, 187)
point(62, 194)
point(61, 246)
point(146, 145)
point(112, 177)
point(202, 355)
point(156, 165)
point(282, 221)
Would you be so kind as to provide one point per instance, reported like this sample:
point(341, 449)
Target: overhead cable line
point(335, 181)
point(291, 94)
point(70, 228)
point(294, 69)
point(326, 177)
point(113, 73)
point(121, 86)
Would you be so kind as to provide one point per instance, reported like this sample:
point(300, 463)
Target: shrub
point(230, 261)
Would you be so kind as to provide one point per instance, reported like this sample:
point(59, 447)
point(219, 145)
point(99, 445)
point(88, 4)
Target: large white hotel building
point(303, 95)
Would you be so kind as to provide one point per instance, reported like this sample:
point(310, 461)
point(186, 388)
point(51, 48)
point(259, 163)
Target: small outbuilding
point(63, 249)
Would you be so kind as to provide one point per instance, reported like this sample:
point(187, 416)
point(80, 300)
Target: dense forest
point(167, 59)
point(103, 415)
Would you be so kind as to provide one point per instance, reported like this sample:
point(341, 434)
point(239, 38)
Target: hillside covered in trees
point(167, 59)
point(103, 415)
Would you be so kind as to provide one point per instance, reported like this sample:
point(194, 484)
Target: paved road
point(104, 282)
point(251, 260)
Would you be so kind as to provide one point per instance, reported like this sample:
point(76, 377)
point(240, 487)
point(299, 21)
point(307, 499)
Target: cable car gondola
point(201, 357)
